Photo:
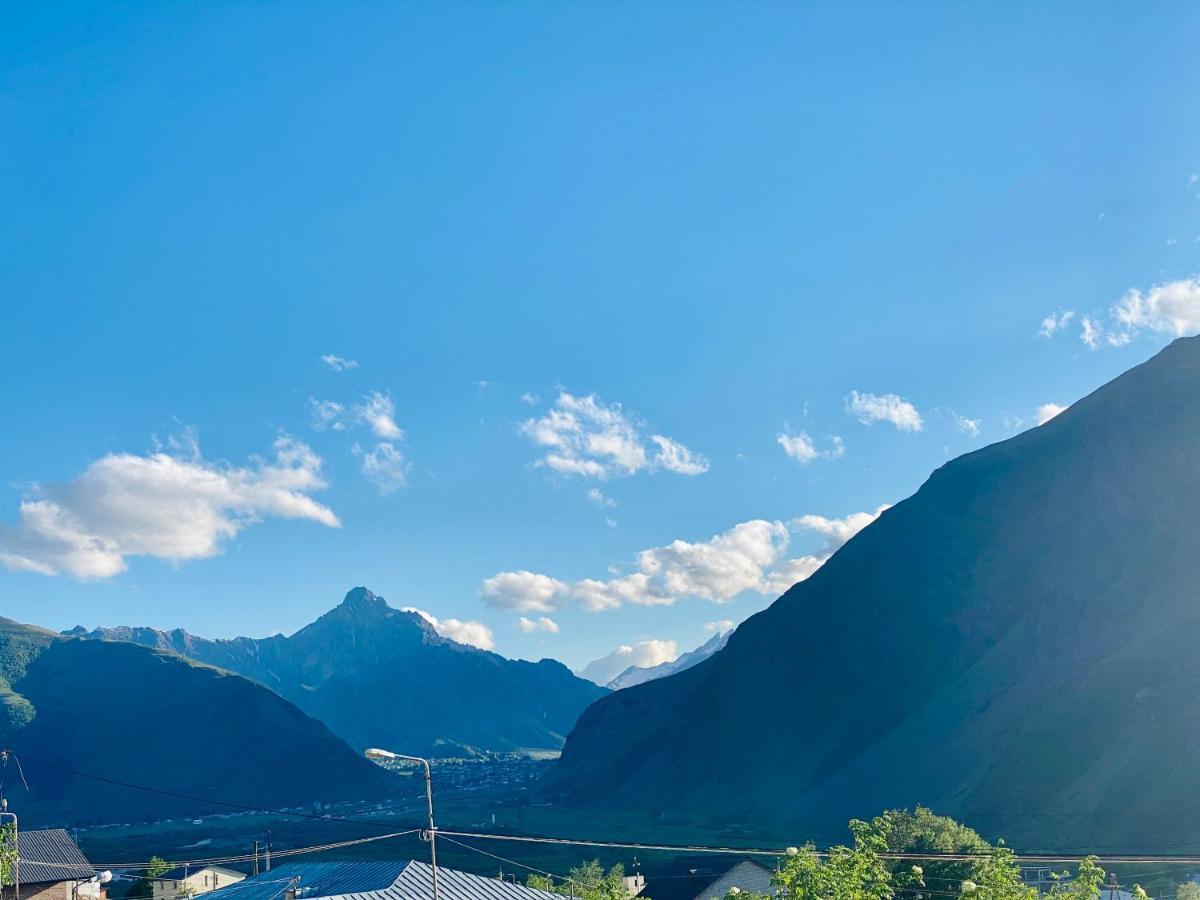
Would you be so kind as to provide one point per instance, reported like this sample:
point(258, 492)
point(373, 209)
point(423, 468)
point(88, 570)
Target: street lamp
point(377, 754)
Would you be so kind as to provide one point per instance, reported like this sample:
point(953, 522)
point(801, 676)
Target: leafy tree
point(996, 876)
point(143, 886)
point(922, 831)
point(1189, 890)
point(842, 873)
point(589, 882)
point(8, 854)
point(1084, 886)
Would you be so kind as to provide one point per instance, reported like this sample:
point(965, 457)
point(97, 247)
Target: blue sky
point(718, 222)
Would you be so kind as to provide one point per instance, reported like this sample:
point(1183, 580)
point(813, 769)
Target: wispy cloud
point(803, 449)
point(869, 408)
point(542, 623)
point(720, 626)
point(326, 414)
point(599, 499)
point(751, 556)
point(1170, 309)
point(339, 363)
point(1055, 322)
point(967, 426)
point(378, 412)
point(171, 504)
point(384, 466)
point(586, 437)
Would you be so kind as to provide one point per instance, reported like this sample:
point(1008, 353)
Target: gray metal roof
point(355, 880)
point(50, 855)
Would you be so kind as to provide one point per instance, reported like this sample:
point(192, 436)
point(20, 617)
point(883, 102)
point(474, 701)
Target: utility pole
point(377, 754)
point(256, 857)
point(268, 854)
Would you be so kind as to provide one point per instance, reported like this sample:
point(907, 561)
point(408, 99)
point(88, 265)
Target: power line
point(892, 855)
point(221, 860)
point(180, 796)
point(1124, 858)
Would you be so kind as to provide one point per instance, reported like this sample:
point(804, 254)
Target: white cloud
point(748, 557)
point(719, 627)
point(869, 408)
point(1055, 322)
point(379, 413)
point(599, 499)
point(674, 457)
point(610, 521)
point(530, 399)
point(384, 466)
point(471, 633)
point(801, 447)
point(1046, 412)
point(583, 436)
point(524, 591)
point(967, 426)
point(1170, 309)
point(326, 414)
point(171, 504)
point(339, 363)
point(542, 623)
point(642, 654)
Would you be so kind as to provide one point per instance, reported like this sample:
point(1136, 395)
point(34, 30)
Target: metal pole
point(432, 827)
point(374, 753)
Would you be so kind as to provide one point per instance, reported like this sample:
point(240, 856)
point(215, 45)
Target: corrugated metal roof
point(50, 855)
point(355, 880)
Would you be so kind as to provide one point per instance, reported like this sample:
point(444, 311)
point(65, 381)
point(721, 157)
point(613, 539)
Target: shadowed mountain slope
point(379, 676)
point(145, 717)
point(1014, 645)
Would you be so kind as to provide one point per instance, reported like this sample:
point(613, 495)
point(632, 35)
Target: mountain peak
point(361, 598)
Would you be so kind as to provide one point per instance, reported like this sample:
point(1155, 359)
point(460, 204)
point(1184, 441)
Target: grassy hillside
point(152, 718)
point(1013, 645)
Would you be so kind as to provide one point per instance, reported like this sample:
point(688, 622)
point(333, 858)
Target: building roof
point(360, 880)
point(688, 878)
point(187, 870)
point(50, 855)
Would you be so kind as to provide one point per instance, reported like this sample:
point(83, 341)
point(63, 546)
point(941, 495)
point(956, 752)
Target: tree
point(922, 831)
point(8, 854)
point(842, 873)
point(588, 882)
point(996, 876)
point(1189, 890)
point(143, 887)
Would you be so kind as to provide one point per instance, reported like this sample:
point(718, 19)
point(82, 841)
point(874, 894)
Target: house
point(691, 878)
point(188, 881)
point(371, 880)
point(53, 868)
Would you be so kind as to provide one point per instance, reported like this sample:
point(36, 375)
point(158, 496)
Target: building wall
point(57, 890)
point(200, 882)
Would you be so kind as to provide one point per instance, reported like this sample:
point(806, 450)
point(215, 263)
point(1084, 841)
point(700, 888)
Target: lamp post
point(100, 878)
point(376, 754)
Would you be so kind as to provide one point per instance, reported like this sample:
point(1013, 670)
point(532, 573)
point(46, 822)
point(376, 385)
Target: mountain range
point(70, 709)
point(641, 674)
point(1014, 645)
point(383, 677)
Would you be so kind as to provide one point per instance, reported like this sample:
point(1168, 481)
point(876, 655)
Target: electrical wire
point(167, 793)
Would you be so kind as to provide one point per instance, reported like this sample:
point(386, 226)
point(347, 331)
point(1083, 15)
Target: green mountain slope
point(151, 718)
point(379, 676)
point(1014, 645)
